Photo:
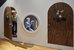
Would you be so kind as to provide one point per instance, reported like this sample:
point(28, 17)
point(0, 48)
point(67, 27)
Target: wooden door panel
point(7, 23)
point(60, 29)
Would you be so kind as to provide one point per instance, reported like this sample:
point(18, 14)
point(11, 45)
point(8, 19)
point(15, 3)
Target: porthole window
point(31, 23)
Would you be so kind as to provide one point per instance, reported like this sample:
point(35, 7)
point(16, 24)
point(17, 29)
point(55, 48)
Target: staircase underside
point(2, 2)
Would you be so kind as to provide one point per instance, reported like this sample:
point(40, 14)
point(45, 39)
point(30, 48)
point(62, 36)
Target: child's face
point(14, 14)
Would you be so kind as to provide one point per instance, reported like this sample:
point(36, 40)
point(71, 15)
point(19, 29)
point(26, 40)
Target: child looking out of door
point(14, 23)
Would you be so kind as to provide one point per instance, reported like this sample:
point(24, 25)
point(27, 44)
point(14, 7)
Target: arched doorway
point(60, 24)
point(9, 25)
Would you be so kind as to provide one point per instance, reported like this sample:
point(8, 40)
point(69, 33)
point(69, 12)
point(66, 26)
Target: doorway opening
point(10, 22)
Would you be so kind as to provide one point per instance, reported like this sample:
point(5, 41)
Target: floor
point(11, 45)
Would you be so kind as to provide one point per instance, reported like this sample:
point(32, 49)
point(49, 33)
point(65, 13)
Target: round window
point(31, 23)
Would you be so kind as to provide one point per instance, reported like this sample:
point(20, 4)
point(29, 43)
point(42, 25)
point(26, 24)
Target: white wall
point(40, 9)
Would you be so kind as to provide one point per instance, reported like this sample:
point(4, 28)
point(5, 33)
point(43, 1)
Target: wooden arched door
point(60, 24)
point(7, 23)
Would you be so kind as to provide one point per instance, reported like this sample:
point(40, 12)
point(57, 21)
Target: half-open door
point(7, 23)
